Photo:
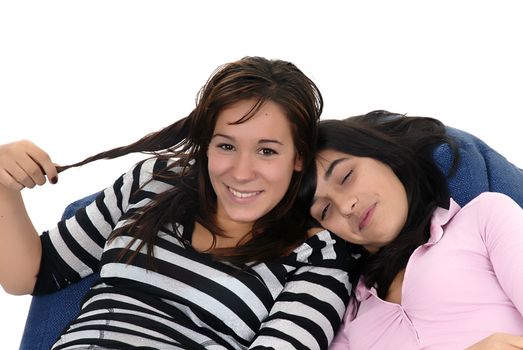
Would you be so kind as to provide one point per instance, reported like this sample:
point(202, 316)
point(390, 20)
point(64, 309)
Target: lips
point(366, 217)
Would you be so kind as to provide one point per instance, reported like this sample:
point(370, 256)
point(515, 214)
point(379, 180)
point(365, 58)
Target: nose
point(346, 203)
point(243, 168)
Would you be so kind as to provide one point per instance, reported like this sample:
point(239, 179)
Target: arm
point(73, 249)
point(22, 164)
point(308, 311)
point(502, 220)
point(341, 339)
point(499, 341)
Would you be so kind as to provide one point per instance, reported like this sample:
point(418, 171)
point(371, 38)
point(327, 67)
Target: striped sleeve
point(72, 250)
point(308, 312)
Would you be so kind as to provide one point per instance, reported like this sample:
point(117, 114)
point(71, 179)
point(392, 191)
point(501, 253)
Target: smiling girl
point(201, 246)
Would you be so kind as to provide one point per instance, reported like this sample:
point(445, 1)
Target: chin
point(246, 218)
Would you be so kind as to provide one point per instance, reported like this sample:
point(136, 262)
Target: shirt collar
point(440, 218)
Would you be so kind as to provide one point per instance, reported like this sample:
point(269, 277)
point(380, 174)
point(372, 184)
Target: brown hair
point(192, 199)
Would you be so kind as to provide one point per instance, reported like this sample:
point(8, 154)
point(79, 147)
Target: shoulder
point(322, 247)
point(148, 168)
point(493, 209)
point(155, 164)
point(491, 201)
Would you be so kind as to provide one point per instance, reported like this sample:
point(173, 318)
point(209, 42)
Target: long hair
point(405, 144)
point(192, 199)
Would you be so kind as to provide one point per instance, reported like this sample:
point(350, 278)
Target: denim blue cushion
point(480, 169)
point(50, 314)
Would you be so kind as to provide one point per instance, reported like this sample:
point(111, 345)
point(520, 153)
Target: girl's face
point(250, 164)
point(359, 199)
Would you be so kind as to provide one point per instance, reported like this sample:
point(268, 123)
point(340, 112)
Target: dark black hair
point(405, 144)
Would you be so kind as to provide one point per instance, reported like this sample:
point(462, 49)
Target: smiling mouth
point(243, 195)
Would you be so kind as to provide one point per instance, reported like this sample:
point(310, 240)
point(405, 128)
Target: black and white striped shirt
point(190, 301)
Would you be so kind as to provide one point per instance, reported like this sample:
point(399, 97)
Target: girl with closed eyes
point(426, 273)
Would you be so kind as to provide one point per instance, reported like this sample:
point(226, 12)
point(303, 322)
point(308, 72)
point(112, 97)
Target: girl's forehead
point(265, 126)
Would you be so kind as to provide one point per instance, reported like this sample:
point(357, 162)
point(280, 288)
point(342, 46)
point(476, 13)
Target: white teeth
point(243, 194)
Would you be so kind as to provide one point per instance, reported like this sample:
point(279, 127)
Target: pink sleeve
point(341, 339)
point(502, 220)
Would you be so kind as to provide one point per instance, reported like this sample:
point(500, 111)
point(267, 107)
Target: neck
point(202, 239)
point(233, 229)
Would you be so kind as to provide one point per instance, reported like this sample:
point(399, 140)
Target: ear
point(298, 163)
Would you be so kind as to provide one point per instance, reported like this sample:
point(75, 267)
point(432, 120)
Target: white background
point(78, 77)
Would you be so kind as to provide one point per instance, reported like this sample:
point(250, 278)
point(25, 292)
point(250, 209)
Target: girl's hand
point(23, 164)
point(499, 341)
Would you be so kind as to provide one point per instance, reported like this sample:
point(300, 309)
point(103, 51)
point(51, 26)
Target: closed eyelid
point(347, 175)
point(324, 210)
point(328, 173)
point(317, 208)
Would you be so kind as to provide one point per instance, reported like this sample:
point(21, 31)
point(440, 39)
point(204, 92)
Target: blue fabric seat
point(49, 314)
point(481, 169)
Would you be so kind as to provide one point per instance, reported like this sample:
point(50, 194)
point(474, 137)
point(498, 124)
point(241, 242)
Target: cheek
point(215, 164)
point(217, 171)
point(402, 217)
point(339, 227)
point(402, 207)
point(345, 233)
point(278, 179)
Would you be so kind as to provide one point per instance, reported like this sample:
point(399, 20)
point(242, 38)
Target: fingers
point(8, 181)
point(23, 164)
point(45, 164)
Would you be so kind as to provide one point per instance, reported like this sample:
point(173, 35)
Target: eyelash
point(225, 146)
point(264, 151)
point(346, 177)
point(267, 152)
point(324, 212)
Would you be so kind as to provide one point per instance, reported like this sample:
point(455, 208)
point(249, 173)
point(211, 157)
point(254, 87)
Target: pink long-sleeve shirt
point(461, 286)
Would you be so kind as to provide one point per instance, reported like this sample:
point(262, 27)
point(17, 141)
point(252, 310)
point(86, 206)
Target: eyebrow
point(333, 165)
point(260, 141)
